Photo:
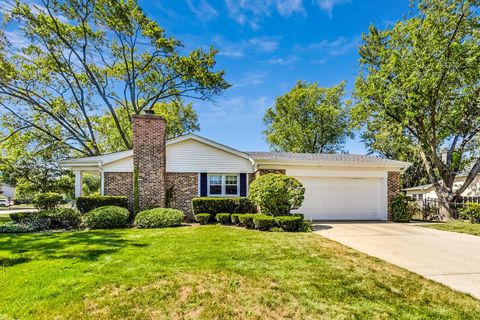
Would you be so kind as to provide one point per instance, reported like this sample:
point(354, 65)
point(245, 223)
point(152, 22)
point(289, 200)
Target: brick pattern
point(185, 188)
point(119, 184)
point(393, 188)
point(149, 157)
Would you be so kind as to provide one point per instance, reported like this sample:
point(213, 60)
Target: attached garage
point(328, 198)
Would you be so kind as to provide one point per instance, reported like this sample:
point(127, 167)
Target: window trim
point(223, 193)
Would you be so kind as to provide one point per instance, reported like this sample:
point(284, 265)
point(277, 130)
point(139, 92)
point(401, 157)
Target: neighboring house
point(7, 191)
point(338, 186)
point(428, 191)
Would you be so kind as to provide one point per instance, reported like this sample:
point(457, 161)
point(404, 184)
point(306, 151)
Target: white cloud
point(238, 49)
point(231, 110)
point(327, 5)
point(16, 39)
point(283, 61)
point(252, 12)
point(202, 9)
point(251, 78)
point(336, 47)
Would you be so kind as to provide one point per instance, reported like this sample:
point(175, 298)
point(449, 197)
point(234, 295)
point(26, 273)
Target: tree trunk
point(446, 205)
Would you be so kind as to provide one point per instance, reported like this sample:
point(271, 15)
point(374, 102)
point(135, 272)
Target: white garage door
point(328, 198)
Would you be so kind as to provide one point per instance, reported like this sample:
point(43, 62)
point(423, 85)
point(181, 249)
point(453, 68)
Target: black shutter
point(203, 185)
point(243, 184)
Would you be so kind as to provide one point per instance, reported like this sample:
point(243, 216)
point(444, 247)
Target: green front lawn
point(457, 226)
point(210, 272)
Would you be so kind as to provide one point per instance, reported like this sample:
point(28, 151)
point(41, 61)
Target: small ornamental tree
point(277, 194)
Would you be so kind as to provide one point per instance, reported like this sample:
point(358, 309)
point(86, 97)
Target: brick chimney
point(149, 133)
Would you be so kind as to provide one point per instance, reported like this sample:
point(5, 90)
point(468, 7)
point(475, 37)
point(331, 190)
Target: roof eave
point(397, 166)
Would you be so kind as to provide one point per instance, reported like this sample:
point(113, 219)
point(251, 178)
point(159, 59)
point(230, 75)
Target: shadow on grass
point(83, 245)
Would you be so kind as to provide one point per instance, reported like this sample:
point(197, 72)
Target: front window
point(223, 185)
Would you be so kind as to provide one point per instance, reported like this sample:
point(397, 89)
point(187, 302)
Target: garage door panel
point(342, 198)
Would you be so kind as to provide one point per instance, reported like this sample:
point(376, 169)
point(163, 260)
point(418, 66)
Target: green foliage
point(215, 205)
point(63, 218)
point(223, 218)
point(86, 204)
point(159, 218)
point(418, 86)
point(203, 218)
point(108, 217)
point(235, 217)
point(13, 227)
point(63, 96)
point(289, 223)
point(401, 209)
point(277, 194)
point(471, 212)
point(22, 217)
point(263, 222)
point(305, 226)
point(308, 119)
point(47, 200)
point(246, 220)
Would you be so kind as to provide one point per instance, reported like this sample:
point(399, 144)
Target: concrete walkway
point(446, 257)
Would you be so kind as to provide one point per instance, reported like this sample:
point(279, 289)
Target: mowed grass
point(457, 226)
point(210, 272)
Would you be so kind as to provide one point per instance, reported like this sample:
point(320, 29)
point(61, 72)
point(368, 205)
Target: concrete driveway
point(446, 257)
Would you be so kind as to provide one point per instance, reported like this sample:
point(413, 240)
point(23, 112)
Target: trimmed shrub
point(471, 212)
point(246, 220)
point(263, 222)
point(289, 223)
point(400, 208)
point(276, 194)
point(12, 227)
point(203, 218)
point(223, 218)
point(63, 218)
point(236, 218)
point(47, 200)
point(86, 204)
point(159, 218)
point(215, 205)
point(108, 217)
point(23, 217)
point(305, 226)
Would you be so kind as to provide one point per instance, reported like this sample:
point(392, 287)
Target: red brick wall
point(119, 184)
point(393, 188)
point(185, 188)
point(149, 158)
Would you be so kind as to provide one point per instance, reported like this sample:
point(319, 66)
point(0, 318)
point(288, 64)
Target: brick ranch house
point(337, 186)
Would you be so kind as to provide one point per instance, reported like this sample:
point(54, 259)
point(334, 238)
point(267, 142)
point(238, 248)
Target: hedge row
point(222, 205)
point(86, 204)
point(290, 223)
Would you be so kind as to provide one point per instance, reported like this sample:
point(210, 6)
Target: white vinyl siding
point(195, 156)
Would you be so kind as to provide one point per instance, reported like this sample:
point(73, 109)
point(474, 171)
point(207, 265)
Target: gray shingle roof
point(324, 157)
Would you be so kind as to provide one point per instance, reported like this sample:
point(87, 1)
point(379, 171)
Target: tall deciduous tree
point(422, 75)
point(308, 119)
point(81, 58)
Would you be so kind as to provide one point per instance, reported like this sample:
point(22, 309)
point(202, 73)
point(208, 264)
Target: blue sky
point(265, 47)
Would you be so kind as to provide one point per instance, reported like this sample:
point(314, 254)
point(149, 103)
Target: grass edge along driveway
point(456, 226)
point(210, 272)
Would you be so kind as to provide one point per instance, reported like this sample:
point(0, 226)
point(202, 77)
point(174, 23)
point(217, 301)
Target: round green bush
point(289, 223)
point(159, 218)
point(63, 218)
point(263, 222)
point(203, 218)
point(23, 217)
point(401, 210)
point(471, 212)
point(223, 218)
point(246, 220)
point(277, 194)
point(236, 218)
point(47, 200)
point(13, 227)
point(108, 217)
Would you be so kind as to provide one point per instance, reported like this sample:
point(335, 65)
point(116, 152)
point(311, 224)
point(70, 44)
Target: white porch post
point(78, 183)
